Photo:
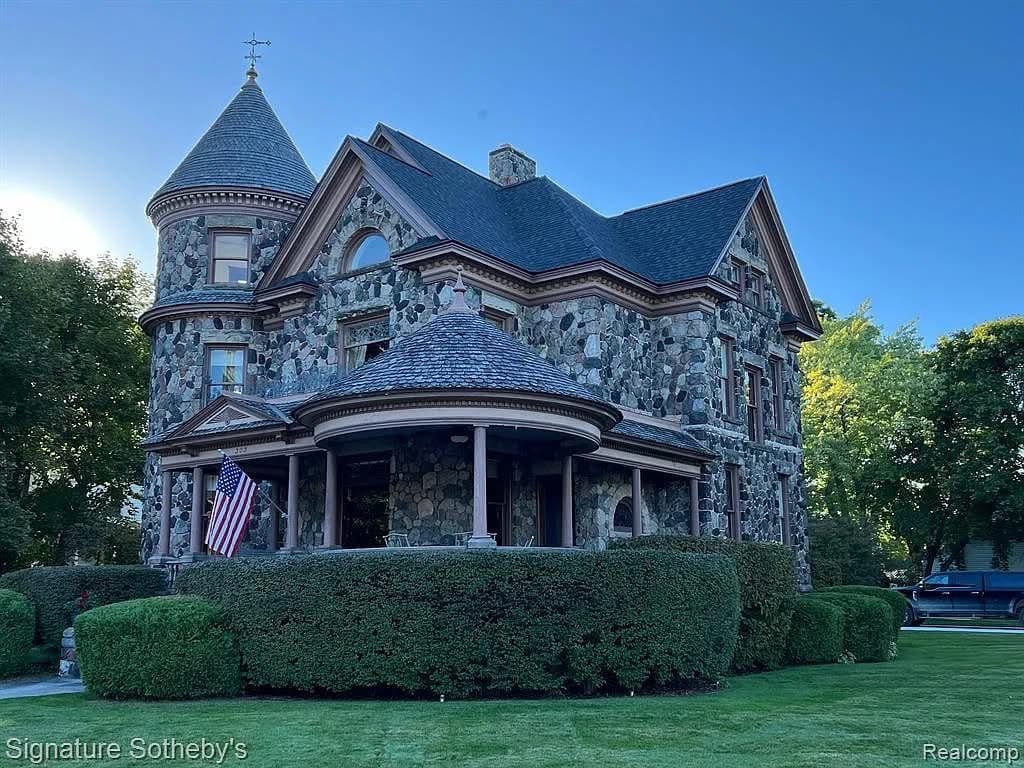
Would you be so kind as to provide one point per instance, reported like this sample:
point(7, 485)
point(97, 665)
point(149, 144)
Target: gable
point(350, 171)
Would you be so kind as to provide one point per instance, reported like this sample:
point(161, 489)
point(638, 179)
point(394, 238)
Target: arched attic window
point(367, 248)
point(622, 520)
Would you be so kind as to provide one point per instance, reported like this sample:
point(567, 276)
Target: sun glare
point(51, 224)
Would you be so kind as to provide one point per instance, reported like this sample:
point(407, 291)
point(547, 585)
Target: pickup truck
point(966, 594)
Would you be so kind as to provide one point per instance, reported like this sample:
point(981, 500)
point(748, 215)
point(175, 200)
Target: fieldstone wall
point(183, 262)
point(432, 488)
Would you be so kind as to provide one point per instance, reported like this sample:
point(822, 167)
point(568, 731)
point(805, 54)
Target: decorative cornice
point(162, 313)
point(443, 261)
point(265, 201)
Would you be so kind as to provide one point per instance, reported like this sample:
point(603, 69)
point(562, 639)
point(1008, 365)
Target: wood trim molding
point(630, 458)
point(163, 313)
point(198, 201)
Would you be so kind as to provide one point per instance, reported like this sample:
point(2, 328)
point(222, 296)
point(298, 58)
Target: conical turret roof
point(246, 147)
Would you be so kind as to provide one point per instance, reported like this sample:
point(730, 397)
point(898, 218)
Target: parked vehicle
point(966, 594)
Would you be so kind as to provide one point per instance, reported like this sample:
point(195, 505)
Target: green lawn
point(945, 688)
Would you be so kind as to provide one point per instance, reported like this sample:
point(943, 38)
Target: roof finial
point(459, 295)
point(251, 56)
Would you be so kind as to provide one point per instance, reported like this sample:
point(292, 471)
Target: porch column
point(164, 547)
point(567, 533)
point(196, 519)
point(275, 518)
point(694, 508)
point(292, 535)
point(480, 537)
point(638, 514)
point(331, 501)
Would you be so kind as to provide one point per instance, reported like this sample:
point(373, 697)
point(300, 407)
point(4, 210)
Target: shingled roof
point(246, 147)
point(458, 351)
point(537, 225)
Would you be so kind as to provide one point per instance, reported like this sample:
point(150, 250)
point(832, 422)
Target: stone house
point(408, 347)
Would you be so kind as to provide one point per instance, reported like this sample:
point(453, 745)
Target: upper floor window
point(777, 399)
point(755, 285)
point(225, 371)
point(500, 320)
point(229, 256)
point(727, 375)
point(755, 427)
point(782, 500)
point(367, 249)
point(363, 340)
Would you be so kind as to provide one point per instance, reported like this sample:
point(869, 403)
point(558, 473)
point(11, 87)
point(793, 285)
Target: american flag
point(232, 507)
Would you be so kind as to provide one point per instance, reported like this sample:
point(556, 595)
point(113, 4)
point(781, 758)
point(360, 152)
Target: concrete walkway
point(969, 630)
point(47, 687)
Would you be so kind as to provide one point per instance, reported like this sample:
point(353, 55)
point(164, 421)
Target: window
point(364, 340)
point(229, 259)
point(972, 580)
point(755, 427)
point(732, 499)
point(727, 352)
point(739, 278)
point(782, 493)
point(500, 320)
point(938, 580)
point(622, 520)
point(777, 402)
point(755, 284)
point(225, 371)
point(366, 250)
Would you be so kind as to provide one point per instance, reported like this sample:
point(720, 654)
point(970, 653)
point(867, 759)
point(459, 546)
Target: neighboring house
point(598, 377)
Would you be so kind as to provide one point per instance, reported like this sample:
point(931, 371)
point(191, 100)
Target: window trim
point(346, 326)
point(211, 244)
point(740, 271)
point(785, 527)
point(778, 402)
point(207, 350)
point(732, 501)
point(353, 245)
point(755, 403)
point(727, 378)
point(505, 321)
point(756, 278)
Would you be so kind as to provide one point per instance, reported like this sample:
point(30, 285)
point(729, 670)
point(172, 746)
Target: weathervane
point(252, 56)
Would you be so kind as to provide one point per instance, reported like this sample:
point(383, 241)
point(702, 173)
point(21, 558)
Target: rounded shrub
point(767, 576)
point(867, 624)
point(51, 589)
point(476, 623)
point(17, 628)
point(896, 602)
point(816, 634)
point(169, 647)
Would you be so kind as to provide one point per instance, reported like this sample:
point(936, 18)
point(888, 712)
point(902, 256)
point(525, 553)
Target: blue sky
point(891, 133)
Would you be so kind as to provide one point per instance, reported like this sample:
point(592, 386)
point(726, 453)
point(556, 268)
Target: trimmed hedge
point(767, 576)
point(474, 623)
point(896, 602)
point(17, 628)
point(50, 589)
point(867, 625)
point(816, 635)
point(170, 647)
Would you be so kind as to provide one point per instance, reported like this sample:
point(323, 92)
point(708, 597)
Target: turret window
point(225, 371)
point(367, 249)
point(229, 259)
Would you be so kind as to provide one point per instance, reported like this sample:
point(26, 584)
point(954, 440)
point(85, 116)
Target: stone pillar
point(292, 534)
point(638, 511)
point(166, 480)
point(196, 519)
point(480, 537)
point(331, 500)
point(275, 517)
point(567, 532)
point(694, 508)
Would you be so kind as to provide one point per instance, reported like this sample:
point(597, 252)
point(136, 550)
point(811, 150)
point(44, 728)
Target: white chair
point(396, 540)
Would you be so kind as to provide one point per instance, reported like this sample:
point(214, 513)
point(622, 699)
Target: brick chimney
point(508, 166)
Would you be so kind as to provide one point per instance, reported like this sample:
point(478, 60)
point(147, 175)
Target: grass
point(945, 688)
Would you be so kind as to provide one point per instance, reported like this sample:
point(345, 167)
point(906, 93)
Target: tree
point(978, 419)
point(74, 376)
